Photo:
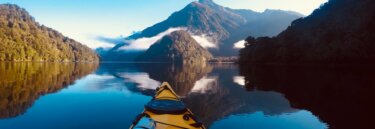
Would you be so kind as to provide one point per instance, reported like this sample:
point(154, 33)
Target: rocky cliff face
point(341, 31)
point(177, 47)
point(23, 39)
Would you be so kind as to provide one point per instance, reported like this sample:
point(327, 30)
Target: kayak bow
point(166, 111)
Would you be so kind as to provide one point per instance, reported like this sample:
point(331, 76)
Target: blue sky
point(84, 20)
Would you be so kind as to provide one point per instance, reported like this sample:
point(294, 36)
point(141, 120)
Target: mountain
point(340, 31)
point(221, 26)
point(23, 39)
point(178, 47)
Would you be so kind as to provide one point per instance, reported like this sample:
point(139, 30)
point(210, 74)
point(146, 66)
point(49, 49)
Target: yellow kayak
point(166, 111)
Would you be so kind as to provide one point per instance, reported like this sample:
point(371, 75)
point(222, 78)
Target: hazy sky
point(302, 6)
point(84, 20)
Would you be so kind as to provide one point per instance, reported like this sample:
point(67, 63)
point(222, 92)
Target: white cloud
point(142, 79)
point(99, 84)
point(203, 84)
point(93, 44)
point(145, 43)
point(90, 40)
point(204, 41)
point(101, 77)
point(240, 44)
point(240, 80)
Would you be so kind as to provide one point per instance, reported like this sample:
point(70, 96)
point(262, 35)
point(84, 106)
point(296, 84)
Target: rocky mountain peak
point(207, 2)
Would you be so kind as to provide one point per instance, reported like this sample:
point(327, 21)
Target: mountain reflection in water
point(339, 95)
point(112, 96)
point(217, 91)
point(22, 83)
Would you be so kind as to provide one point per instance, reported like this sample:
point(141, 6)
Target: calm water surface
point(223, 96)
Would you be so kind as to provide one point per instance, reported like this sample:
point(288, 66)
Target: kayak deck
point(166, 111)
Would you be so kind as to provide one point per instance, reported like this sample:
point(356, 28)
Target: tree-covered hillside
point(340, 31)
point(23, 39)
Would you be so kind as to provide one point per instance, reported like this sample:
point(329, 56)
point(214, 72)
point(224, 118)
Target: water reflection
point(204, 85)
point(240, 80)
point(258, 120)
point(142, 79)
point(22, 83)
point(182, 78)
point(339, 95)
point(114, 94)
point(216, 91)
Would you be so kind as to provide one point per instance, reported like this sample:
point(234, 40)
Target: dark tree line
point(340, 31)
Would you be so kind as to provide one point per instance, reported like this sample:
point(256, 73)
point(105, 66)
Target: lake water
point(223, 96)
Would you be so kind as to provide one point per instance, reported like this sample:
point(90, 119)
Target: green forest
point(340, 31)
point(23, 39)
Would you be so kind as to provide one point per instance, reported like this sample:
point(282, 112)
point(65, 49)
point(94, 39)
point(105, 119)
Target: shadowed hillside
point(340, 31)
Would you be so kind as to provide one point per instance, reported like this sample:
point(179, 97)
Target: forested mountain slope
point(23, 39)
point(340, 31)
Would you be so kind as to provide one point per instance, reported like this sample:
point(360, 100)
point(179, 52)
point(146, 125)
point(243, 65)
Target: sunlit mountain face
point(24, 39)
